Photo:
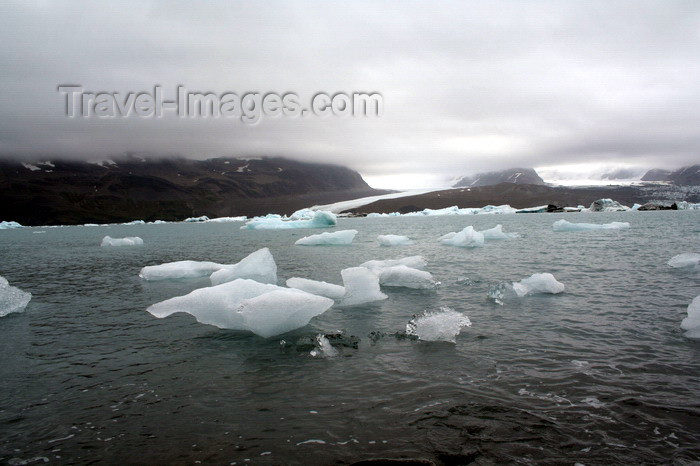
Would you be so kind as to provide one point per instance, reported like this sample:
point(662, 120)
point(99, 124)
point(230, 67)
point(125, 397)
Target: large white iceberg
point(563, 225)
point(393, 240)
point(12, 299)
point(538, 283)
point(442, 325)
point(361, 286)
point(376, 266)
point(264, 309)
point(128, 241)
point(320, 219)
point(467, 238)
point(407, 277)
point(9, 225)
point(497, 233)
point(328, 290)
point(337, 238)
point(692, 322)
point(687, 260)
point(259, 266)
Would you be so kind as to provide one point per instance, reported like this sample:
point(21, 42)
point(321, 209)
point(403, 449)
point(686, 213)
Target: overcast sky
point(467, 86)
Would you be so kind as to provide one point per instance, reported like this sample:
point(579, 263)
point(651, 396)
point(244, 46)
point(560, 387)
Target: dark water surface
point(600, 374)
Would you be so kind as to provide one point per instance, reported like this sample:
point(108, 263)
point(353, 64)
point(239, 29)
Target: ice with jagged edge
point(337, 238)
point(200, 219)
point(264, 309)
point(497, 233)
point(393, 240)
point(323, 349)
point(455, 210)
point(441, 325)
point(563, 225)
point(538, 283)
point(320, 219)
point(12, 299)
point(128, 241)
point(319, 288)
point(467, 238)
point(361, 286)
point(692, 323)
point(686, 260)
point(226, 219)
point(376, 266)
point(135, 222)
point(259, 266)
point(607, 205)
point(9, 225)
point(407, 277)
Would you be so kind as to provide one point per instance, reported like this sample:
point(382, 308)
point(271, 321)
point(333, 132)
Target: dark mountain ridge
point(512, 175)
point(686, 176)
point(73, 192)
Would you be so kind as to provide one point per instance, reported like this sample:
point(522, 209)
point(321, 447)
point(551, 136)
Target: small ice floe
point(9, 225)
point(441, 325)
point(692, 322)
point(264, 309)
point(467, 238)
point(128, 241)
point(337, 238)
point(687, 260)
point(407, 277)
point(563, 225)
point(497, 233)
point(323, 349)
point(538, 283)
point(361, 286)
point(12, 299)
point(203, 218)
point(135, 222)
point(319, 288)
point(393, 240)
point(320, 219)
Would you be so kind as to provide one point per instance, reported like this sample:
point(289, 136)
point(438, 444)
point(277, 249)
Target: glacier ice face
point(407, 277)
point(686, 260)
point(442, 325)
point(376, 266)
point(12, 299)
point(179, 270)
point(467, 238)
point(563, 225)
point(497, 233)
point(9, 225)
point(393, 240)
point(337, 238)
point(538, 283)
point(361, 286)
point(692, 322)
point(128, 241)
point(264, 309)
point(259, 266)
point(320, 219)
point(328, 290)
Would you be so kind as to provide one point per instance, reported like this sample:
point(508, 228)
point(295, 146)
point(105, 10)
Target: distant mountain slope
point(687, 176)
point(70, 192)
point(513, 175)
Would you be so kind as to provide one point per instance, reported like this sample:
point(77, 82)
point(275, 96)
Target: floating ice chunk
point(534, 210)
point(12, 299)
point(607, 205)
point(203, 218)
point(685, 205)
point(500, 292)
point(692, 322)
point(563, 225)
point(226, 219)
point(320, 219)
point(407, 277)
point(376, 266)
point(337, 238)
point(496, 233)
point(264, 309)
point(135, 222)
point(687, 260)
point(467, 238)
point(361, 286)
point(328, 290)
point(179, 270)
point(442, 325)
point(323, 349)
point(9, 225)
point(393, 240)
point(259, 266)
point(538, 283)
point(302, 214)
point(128, 241)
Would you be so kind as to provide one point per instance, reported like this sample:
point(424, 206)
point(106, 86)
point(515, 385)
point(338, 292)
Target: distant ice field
point(600, 373)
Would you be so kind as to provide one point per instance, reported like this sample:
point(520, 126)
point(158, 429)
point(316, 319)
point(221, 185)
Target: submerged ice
point(12, 299)
point(686, 260)
point(393, 240)
point(264, 309)
point(128, 241)
point(563, 225)
point(320, 219)
point(442, 325)
point(337, 238)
